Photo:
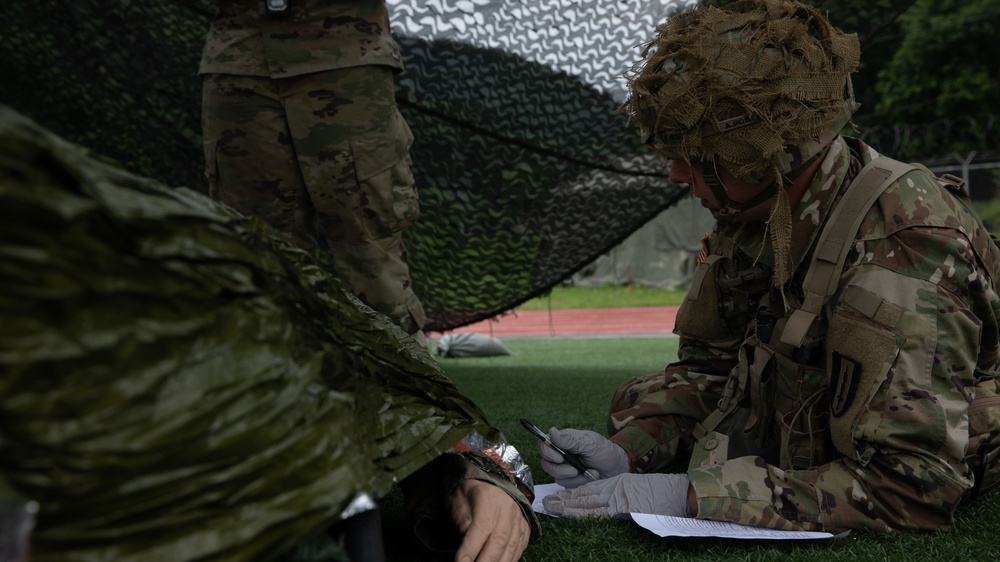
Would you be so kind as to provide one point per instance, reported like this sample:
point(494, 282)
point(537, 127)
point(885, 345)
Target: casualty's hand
point(658, 494)
point(603, 458)
point(492, 525)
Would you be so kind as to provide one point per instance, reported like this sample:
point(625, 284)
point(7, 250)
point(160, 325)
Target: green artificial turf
point(563, 297)
point(568, 383)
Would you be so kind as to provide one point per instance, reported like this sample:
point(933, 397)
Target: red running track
point(589, 322)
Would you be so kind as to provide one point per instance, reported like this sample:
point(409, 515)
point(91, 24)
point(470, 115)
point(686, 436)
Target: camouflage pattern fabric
point(312, 150)
point(310, 36)
point(180, 382)
point(886, 415)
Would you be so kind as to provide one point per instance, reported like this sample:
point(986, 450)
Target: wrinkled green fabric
point(177, 381)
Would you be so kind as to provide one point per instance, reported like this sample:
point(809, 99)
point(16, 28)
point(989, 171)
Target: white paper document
point(666, 526)
point(542, 490)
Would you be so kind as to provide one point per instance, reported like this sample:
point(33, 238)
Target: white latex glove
point(658, 494)
point(602, 458)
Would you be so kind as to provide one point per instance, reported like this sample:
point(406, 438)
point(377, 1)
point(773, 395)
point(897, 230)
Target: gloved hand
point(658, 494)
point(602, 458)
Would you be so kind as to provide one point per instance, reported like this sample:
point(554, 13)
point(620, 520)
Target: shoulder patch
point(846, 373)
point(705, 250)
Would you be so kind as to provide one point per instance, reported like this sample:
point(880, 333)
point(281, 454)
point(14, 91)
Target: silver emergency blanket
point(503, 453)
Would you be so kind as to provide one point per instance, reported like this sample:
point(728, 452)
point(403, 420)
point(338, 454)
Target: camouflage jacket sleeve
point(651, 414)
point(903, 352)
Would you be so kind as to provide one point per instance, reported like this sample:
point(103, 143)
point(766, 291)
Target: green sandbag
point(177, 381)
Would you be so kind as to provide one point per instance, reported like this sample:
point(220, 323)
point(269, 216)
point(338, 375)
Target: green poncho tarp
point(177, 382)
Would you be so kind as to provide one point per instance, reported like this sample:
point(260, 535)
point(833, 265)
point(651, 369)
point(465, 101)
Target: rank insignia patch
point(844, 379)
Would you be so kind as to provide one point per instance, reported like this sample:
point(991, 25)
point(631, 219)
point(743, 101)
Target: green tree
point(867, 18)
point(945, 64)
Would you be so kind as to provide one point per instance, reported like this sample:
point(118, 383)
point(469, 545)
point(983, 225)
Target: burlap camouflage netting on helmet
point(742, 82)
point(517, 162)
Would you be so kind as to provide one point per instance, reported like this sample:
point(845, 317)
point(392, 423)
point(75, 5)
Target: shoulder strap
point(835, 242)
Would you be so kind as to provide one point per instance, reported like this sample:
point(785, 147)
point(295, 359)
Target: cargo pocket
point(710, 450)
point(211, 161)
point(987, 472)
point(217, 190)
point(389, 202)
point(984, 436)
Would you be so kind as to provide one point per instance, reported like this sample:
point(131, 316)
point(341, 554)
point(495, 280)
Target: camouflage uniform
point(808, 446)
point(301, 130)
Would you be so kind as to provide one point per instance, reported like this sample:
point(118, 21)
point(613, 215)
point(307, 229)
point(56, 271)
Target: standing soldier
point(302, 131)
point(839, 345)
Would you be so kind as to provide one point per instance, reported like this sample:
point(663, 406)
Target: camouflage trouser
point(322, 154)
point(652, 417)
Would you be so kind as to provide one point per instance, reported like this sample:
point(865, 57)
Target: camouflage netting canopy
point(178, 381)
point(525, 169)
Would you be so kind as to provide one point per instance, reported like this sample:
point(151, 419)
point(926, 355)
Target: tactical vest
point(776, 402)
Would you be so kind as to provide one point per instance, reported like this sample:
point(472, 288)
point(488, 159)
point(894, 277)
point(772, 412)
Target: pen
point(572, 460)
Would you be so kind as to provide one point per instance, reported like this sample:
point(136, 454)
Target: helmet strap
point(730, 209)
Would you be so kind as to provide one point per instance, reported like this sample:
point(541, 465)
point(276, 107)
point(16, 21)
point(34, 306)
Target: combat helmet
point(759, 86)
